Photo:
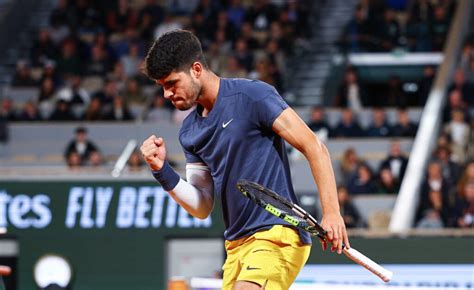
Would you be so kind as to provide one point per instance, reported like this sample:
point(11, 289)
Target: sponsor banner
point(89, 207)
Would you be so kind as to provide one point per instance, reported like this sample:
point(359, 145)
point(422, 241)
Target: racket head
point(281, 207)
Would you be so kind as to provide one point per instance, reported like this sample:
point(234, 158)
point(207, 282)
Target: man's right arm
point(196, 195)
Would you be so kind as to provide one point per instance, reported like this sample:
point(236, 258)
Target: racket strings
point(270, 198)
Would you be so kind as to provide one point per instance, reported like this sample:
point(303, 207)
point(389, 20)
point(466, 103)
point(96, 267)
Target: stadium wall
point(115, 233)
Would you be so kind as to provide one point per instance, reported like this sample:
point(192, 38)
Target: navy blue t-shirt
point(236, 141)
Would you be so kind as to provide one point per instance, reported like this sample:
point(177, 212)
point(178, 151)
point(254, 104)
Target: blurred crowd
point(86, 63)
point(383, 26)
point(447, 194)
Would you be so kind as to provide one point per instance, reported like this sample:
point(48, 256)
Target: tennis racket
point(298, 217)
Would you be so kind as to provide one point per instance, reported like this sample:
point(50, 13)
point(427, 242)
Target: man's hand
point(336, 232)
point(154, 152)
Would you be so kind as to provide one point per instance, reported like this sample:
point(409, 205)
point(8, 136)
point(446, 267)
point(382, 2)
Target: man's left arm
point(294, 130)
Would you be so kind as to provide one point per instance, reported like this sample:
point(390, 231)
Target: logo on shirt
point(252, 268)
point(226, 124)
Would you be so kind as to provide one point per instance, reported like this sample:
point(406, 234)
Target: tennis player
point(237, 132)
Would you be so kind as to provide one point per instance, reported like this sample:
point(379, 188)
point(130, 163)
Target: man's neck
point(210, 90)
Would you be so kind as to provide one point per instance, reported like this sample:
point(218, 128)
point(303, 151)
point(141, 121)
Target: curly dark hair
point(176, 51)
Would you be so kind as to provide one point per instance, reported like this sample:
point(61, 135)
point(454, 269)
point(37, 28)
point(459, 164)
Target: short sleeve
point(269, 108)
point(190, 156)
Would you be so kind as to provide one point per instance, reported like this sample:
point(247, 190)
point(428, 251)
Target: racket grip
point(367, 263)
point(5, 270)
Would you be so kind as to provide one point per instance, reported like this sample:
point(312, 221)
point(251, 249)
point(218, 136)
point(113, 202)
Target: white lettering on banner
point(4, 199)
point(73, 206)
point(86, 219)
point(171, 212)
point(126, 207)
point(24, 211)
point(143, 207)
point(157, 212)
point(40, 207)
point(88, 207)
point(103, 198)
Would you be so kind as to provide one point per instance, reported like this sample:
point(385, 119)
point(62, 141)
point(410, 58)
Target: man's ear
point(196, 69)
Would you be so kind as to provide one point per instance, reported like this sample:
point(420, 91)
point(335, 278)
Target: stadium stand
point(260, 40)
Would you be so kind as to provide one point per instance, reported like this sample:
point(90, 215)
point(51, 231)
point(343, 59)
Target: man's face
point(181, 88)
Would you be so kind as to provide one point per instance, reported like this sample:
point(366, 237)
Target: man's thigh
point(272, 259)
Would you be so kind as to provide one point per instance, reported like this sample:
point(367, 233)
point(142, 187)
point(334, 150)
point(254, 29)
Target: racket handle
point(5, 270)
point(367, 263)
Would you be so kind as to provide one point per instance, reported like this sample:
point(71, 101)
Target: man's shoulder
point(248, 87)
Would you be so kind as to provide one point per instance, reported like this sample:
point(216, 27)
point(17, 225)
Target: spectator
point(351, 94)
point(61, 18)
point(349, 163)
point(29, 112)
point(395, 96)
point(404, 127)
point(81, 145)
point(134, 94)
point(451, 170)
point(349, 212)
point(386, 183)
point(74, 93)
point(73, 160)
point(465, 88)
point(43, 48)
point(388, 32)
point(99, 64)
point(247, 34)
point(217, 60)
point(455, 102)
point(318, 124)
point(261, 14)
point(153, 9)
point(425, 84)
point(233, 69)
point(69, 61)
point(357, 33)
point(362, 182)
point(119, 111)
point(459, 132)
point(62, 112)
point(62, 14)
point(379, 127)
point(422, 11)
point(131, 62)
point(396, 161)
point(146, 27)
point(94, 110)
point(108, 94)
point(22, 77)
point(96, 159)
point(243, 54)
point(434, 181)
point(167, 25)
point(7, 110)
point(135, 162)
point(348, 127)
point(466, 206)
point(439, 28)
point(158, 111)
point(433, 214)
point(236, 13)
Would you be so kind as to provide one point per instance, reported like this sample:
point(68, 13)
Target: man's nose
point(167, 94)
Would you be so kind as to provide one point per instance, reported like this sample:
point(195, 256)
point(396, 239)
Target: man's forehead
point(172, 76)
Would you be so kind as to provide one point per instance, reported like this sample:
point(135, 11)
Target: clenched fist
point(154, 152)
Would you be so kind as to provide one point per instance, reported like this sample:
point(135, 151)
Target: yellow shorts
point(274, 257)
